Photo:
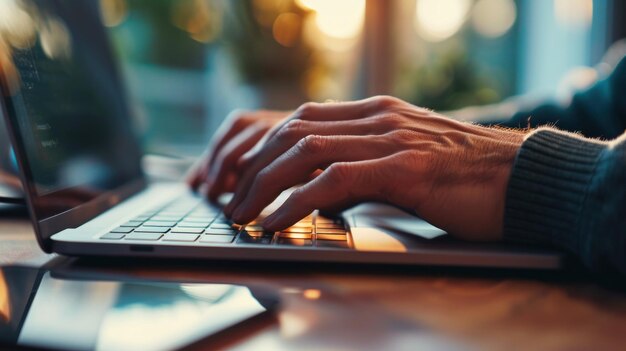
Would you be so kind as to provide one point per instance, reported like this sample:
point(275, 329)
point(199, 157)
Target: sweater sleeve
point(569, 192)
point(597, 112)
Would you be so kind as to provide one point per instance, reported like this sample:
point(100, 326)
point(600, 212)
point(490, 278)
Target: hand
point(452, 174)
point(216, 171)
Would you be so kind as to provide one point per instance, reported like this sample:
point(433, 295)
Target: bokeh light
point(493, 18)
point(114, 12)
point(287, 28)
point(55, 39)
point(17, 26)
point(202, 21)
point(337, 19)
point(574, 13)
point(437, 20)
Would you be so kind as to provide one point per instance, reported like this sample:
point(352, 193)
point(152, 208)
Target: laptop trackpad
point(391, 219)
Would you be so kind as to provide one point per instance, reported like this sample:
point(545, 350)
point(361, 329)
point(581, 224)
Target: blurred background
point(190, 62)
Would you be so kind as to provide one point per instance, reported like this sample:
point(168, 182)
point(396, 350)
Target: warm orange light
point(198, 18)
point(341, 19)
point(312, 294)
point(287, 28)
point(5, 302)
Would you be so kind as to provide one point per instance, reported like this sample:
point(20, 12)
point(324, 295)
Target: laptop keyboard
point(192, 220)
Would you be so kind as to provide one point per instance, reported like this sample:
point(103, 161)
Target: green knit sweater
point(569, 191)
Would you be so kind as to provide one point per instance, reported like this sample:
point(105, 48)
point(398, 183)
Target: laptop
point(62, 309)
point(72, 128)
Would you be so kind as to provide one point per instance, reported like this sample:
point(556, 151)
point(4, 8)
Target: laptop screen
point(65, 102)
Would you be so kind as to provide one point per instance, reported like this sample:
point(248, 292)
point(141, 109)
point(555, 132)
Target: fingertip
point(269, 223)
point(228, 209)
point(191, 179)
point(279, 220)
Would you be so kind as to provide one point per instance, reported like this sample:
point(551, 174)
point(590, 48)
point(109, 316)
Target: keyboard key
point(193, 224)
point(180, 237)
point(303, 224)
point(257, 234)
point(221, 226)
point(222, 221)
point(254, 228)
point(320, 219)
point(159, 224)
point(220, 232)
point(330, 226)
point(294, 242)
point(294, 235)
point(331, 231)
point(131, 224)
point(332, 244)
point(331, 237)
point(140, 218)
point(122, 230)
point(144, 236)
point(112, 236)
point(217, 239)
point(203, 219)
point(173, 213)
point(187, 230)
point(166, 218)
point(151, 230)
point(305, 230)
point(254, 238)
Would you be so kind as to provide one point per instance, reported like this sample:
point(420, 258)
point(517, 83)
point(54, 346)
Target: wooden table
point(365, 307)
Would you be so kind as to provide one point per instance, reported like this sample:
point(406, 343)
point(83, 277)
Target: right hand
point(215, 172)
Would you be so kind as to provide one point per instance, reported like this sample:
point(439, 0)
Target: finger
point(224, 163)
point(339, 111)
point(233, 124)
point(193, 174)
point(347, 110)
point(289, 135)
point(296, 166)
point(340, 186)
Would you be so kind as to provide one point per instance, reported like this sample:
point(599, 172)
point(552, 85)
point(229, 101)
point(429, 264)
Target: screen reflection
point(37, 309)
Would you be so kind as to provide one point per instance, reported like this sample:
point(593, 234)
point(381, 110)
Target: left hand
point(450, 173)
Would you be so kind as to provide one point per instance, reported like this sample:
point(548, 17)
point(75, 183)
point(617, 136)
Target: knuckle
point(307, 110)
point(338, 173)
point(241, 121)
point(386, 102)
point(261, 179)
point(312, 144)
point(292, 129)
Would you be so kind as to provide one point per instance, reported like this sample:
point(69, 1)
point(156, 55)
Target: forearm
point(569, 192)
point(599, 111)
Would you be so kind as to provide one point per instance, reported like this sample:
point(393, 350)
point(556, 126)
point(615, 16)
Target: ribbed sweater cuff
point(547, 188)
